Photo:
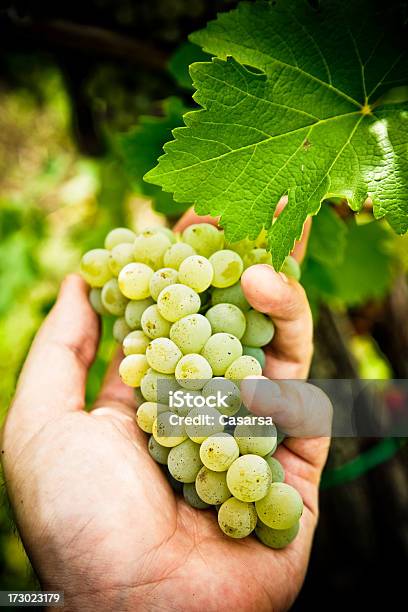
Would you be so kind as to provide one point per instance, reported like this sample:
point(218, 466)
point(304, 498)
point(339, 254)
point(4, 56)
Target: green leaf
point(366, 271)
point(17, 248)
point(318, 284)
point(140, 148)
point(180, 62)
point(292, 112)
point(328, 237)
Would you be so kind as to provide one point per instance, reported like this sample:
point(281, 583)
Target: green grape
point(221, 350)
point(231, 295)
point(119, 235)
point(165, 432)
point(132, 369)
point(249, 478)
point(242, 247)
point(184, 461)
point(157, 387)
point(164, 230)
point(243, 412)
point(274, 448)
point(237, 519)
point(280, 437)
point(138, 395)
point(257, 256)
point(242, 367)
point(219, 451)
point(147, 414)
point(176, 485)
point(228, 267)
point(227, 394)
point(227, 318)
point(95, 268)
point(276, 538)
point(113, 299)
point(212, 486)
point(178, 301)
point(153, 323)
point(134, 311)
point(95, 298)
point(169, 233)
point(192, 498)
point(202, 422)
point(135, 343)
point(134, 281)
point(262, 239)
point(257, 353)
point(120, 256)
point(205, 298)
point(196, 272)
point(259, 329)
point(120, 329)
point(191, 333)
point(204, 238)
point(193, 371)
point(162, 278)
point(291, 268)
point(163, 355)
point(176, 254)
point(157, 451)
point(255, 439)
point(277, 471)
point(281, 508)
point(149, 248)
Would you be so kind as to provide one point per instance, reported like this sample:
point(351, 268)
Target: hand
point(96, 514)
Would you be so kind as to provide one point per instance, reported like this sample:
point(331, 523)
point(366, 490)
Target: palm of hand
point(117, 513)
point(94, 511)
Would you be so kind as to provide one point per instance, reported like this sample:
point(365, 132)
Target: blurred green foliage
point(140, 148)
point(53, 205)
point(349, 261)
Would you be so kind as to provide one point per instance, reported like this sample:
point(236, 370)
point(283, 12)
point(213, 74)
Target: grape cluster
point(185, 325)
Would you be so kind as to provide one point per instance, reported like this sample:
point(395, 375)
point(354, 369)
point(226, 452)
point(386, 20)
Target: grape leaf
point(328, 238)
point(179, 63)
point(140, 148)
point(366, 271)
point(288, 107)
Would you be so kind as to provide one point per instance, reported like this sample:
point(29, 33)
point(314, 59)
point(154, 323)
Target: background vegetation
point(75, 77)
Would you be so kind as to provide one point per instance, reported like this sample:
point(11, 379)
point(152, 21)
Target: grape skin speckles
point(134, 281)
point(177, 301)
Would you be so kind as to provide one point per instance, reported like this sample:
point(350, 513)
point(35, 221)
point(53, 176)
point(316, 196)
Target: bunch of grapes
point(189, 333)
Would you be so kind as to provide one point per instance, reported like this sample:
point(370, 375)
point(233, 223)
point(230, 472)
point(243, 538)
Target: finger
point(298, 408)
point(53, 379)
point(300, 247)
point(280, 205)
point(285, 301)
point(115, 397)
point(304, 413)
point(190, 218)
